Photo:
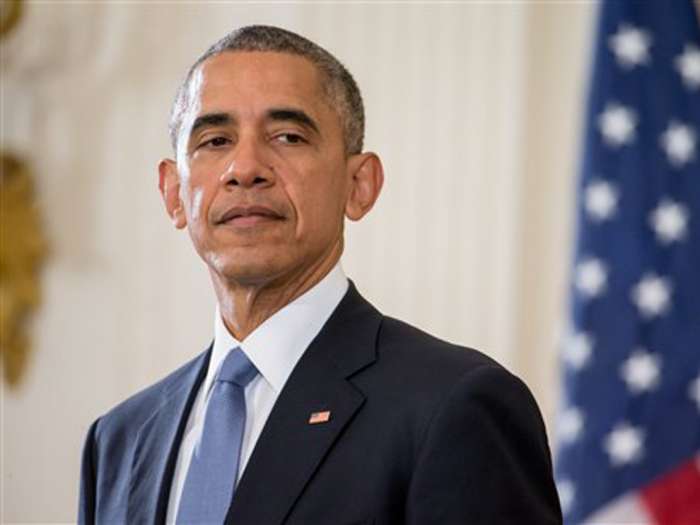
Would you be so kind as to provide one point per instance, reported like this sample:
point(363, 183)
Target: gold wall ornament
point(10, 13)
point(22, 249)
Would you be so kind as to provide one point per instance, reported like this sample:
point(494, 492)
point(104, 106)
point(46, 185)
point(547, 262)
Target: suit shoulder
point(426, 370)
point(400, 341)
point(134, 410)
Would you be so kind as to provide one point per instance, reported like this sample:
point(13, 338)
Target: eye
point(215, 142)
point(290, 138)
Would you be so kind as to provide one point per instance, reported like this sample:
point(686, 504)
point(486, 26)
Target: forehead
point(251, 80)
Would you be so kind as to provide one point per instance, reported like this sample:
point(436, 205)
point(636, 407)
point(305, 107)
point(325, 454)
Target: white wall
point(473, 107)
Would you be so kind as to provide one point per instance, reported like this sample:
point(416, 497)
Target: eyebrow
point(209, 120)
point(293, 115)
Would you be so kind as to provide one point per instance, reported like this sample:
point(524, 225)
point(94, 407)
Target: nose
point(246, 167)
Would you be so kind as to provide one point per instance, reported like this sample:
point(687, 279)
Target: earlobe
point(169, 186)
point(367, 178)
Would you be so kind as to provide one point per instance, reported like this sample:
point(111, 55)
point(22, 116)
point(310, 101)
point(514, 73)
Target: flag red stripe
point(674, 499)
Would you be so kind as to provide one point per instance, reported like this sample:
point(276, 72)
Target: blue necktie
point(211, 478)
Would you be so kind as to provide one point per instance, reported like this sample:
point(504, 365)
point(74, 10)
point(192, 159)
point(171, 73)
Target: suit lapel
point(290, 450)
point(158, 442)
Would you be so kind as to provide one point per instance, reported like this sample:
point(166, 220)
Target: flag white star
point(652, 295)
point(567, 494)
point(570, 425)
point(630, 45)
point(591, 277)
point(678, 141)
point(600, 200)
point(694, 391)
point(617, 123)
point(669, 220)
point(688, 64)
point(624, 444)
point(641, 371)
point(578, 349)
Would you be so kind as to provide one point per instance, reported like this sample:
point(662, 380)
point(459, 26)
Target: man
point(310, 407)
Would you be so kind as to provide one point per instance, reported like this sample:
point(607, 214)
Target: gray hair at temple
point(340, 88)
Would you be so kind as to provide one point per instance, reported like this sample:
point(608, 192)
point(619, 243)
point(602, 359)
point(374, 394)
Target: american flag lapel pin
point(319, 417)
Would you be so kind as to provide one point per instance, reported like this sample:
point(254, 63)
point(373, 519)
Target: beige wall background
point(474, 108)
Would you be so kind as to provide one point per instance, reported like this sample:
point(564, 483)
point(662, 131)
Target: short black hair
point(339, 86)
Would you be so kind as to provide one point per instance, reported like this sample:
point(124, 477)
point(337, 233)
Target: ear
point(169, 186)
point(366, 180)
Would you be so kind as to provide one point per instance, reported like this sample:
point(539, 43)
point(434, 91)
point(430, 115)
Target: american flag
point(319, 417)
point(628, 431)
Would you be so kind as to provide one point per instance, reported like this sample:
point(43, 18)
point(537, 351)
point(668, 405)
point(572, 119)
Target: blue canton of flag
point(628, 432)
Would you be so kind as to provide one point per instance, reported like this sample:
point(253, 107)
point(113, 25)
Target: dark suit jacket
point(421, 432)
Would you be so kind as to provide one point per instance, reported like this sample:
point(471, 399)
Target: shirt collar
point(278, 343)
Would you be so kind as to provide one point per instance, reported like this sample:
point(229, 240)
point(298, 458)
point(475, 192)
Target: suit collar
point(351, 334)
point(318, 383)
point(158, 442)
point(276, 346)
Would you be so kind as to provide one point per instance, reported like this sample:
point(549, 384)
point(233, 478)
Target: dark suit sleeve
point(484, 458)
point(86, 505)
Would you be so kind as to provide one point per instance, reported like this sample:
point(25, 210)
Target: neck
point(245, 306)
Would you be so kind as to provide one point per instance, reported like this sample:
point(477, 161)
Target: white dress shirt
point(274, 348)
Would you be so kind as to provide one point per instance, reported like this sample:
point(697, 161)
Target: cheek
point(320, 208)
point(201, 185)
point(194, 198)
point(196, 207)
point(316, 191)
point(209, 165)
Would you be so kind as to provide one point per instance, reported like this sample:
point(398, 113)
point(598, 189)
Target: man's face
point(262, 172)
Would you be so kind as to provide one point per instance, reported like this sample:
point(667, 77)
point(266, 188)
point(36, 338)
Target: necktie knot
point(237, 368)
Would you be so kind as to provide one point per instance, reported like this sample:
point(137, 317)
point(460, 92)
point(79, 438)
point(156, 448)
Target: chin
point(246, 270)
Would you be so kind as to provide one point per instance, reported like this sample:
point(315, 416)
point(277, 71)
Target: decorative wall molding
point(23, 248)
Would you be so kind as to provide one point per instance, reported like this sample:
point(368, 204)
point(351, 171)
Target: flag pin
point(319, 417)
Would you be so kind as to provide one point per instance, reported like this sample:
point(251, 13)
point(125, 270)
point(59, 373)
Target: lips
point(232, 215)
